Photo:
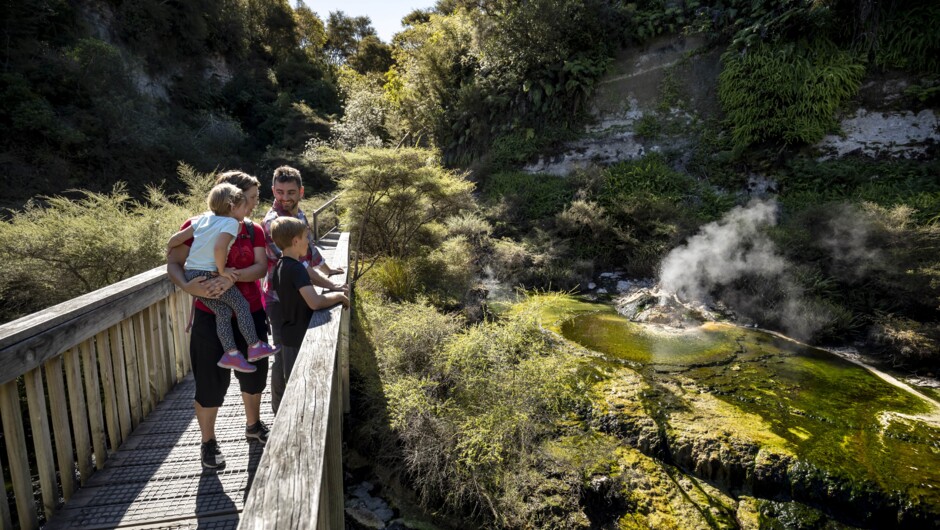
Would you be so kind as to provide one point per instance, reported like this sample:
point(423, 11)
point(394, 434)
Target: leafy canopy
point(396, 199)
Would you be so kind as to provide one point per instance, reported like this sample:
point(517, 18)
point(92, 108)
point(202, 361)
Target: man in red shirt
point(288, 190)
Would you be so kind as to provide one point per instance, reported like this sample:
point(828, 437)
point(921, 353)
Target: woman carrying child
point(212, 235)
point(247, 257)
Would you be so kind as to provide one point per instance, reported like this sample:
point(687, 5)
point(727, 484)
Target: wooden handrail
point(299, 481)
point(95, 366)
point(29, 341)
point(104, 360)
point(316, 216)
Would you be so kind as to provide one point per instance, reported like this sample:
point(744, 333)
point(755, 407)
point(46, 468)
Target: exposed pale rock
point(897, 134)
point(364, 517)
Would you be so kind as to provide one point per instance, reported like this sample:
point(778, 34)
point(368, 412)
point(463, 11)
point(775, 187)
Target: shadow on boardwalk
point(156, 480)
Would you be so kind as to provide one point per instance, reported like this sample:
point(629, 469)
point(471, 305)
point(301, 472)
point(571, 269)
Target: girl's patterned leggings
point(230, 302)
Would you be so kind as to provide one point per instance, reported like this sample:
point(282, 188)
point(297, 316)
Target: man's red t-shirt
point(240, 256)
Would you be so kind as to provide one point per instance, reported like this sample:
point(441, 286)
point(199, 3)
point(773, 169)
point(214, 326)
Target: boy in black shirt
point(292, 283)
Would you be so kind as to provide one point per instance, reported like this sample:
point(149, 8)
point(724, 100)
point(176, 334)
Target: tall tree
point(343, 35)
point(372, 55)
point(311, 29)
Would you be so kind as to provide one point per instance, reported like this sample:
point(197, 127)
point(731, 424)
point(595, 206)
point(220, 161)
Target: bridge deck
point(156, 480)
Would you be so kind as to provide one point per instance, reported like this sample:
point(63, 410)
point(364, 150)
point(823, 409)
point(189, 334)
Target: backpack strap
point(250, 228)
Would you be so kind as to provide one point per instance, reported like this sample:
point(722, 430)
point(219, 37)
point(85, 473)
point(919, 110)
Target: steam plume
point(847, 241)
point(722, 252)
point(737, 248)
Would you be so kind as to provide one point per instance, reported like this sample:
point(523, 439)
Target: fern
point(788, 93)
point(910, 41)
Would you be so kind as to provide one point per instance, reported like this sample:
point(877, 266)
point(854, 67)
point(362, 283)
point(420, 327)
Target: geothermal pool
point(781, 425)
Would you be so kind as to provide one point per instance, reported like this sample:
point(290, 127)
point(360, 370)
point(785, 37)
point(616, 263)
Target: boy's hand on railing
point(337, 270)
point(339, 288)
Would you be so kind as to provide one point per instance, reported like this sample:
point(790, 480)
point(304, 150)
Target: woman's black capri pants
point(205, 350)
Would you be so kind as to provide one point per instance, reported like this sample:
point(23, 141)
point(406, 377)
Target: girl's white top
point(206, 229)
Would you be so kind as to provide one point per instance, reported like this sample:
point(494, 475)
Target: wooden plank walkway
point(156, 479)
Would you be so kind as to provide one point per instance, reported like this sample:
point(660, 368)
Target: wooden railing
point(299, 481)
point(104, 360)
point(318, 230)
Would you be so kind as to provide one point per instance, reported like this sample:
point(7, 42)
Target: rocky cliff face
point(653, 97)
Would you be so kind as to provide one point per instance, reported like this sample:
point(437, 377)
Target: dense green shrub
point(394, 279)
point(447, 273)
point(804, 182)
point(467, 406)
point(516, 148)
point(786, 92)
point(472, 226)
point(65, 247)
point(908, 342)
point(868, 265)
point(627, 216)
point(529, 196)
point(645, 208)
point(910, 40)
point(396, 200)
point(408, 337)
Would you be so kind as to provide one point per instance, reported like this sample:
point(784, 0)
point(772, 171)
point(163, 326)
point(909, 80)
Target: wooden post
point(163, 350)
point(157, 355)
point(93, 403)
point(176, 334)
point(73, 375)
point(146, 385)
point(334, 450)
point(133, 377)
point(42, 440)
point(60, 426)
point(120, 380)
point(344, 359)
point(112, 423)
point(16, 451)
point(6, 518)
point(186, 305)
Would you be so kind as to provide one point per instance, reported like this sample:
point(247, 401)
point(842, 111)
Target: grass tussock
point(61, 248)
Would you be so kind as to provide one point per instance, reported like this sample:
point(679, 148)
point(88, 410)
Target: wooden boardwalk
point(156, 480)
point(109, 407)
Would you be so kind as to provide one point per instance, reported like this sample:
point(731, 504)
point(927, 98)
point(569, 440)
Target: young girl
point(213, 234)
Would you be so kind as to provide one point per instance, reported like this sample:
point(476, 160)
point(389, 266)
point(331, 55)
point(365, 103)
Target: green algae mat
point(782, 429)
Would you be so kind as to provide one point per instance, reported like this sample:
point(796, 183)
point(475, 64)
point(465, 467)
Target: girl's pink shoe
point(261, 350)
point(235, 361)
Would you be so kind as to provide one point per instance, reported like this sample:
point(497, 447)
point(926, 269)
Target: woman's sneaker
point(258, 431)
point(261, 350)
point(235, 361)
point(211, 455)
